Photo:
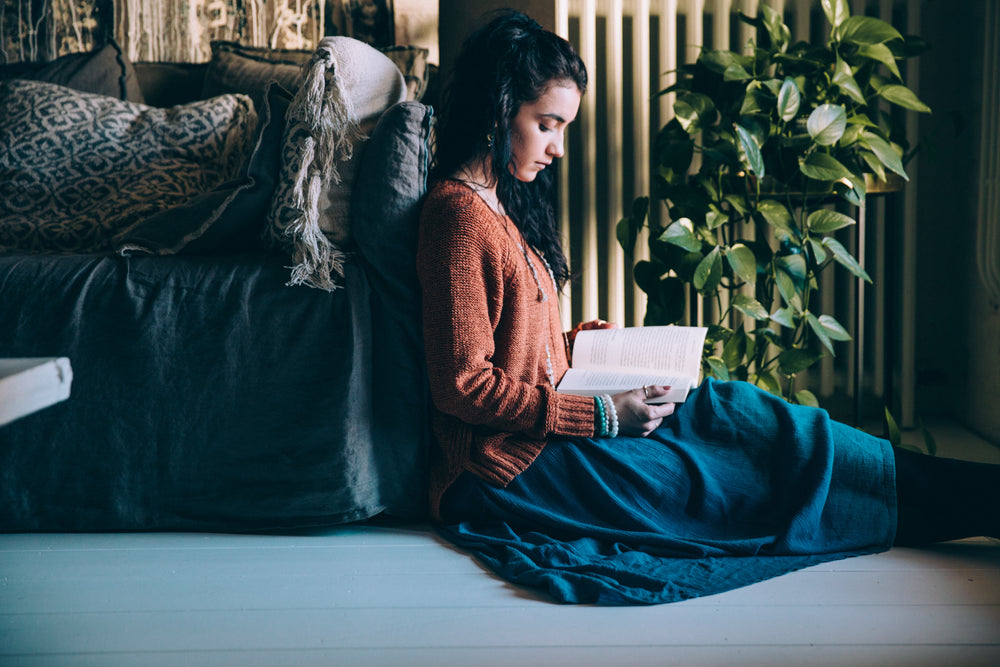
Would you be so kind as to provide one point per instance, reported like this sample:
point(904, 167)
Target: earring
point(489, 140)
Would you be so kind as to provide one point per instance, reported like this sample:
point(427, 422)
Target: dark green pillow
point(104, 71)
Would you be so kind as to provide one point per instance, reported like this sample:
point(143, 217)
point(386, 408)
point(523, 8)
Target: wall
point(459, 17)
point(958, 322)
point(181, 30)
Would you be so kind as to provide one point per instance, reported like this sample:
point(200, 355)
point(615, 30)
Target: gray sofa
point(208, 392)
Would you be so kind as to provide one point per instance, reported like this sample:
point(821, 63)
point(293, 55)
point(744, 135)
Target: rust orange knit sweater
point(485, 332)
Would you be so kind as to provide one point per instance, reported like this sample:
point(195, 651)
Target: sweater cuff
point(574, 415)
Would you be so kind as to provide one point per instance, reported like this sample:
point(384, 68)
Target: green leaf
point(882, 54)
point(820, 332)
point(789, 99)
point(823, 167)
point(844, 79)
point(671, 298)
point(807, 398)
point(736, 73)
point(628, 228)
point(709, 272)
point(647, 276)
point(865, 30)
point(769, 383)
point(757, 100)
point(873, 163)
point(743, 263)
point(833, 328)
point(929, 440)
point(749, 306)
point(776, 29)
point(734, 350)
point(836, 11)
point(889, 156)
point(785, 317)
point(694, 112)
point(794, 361)
point(845, 258)
point(827, 123)
point(719, 61)
point(777, 215)
point(674, 150)
point(718, 368)
point(715, 218)
point(904, 97)
point(823, 221)
point(754, 160)
point(681, 233)
point(788, 291)
point(818, 251)
point(794, 265)
point(895, 439)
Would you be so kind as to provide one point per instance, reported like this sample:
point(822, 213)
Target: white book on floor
point(30, 384)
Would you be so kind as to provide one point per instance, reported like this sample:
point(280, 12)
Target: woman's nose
point(557, 148)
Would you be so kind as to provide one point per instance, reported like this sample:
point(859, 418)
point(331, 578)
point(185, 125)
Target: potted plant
point(781, 131)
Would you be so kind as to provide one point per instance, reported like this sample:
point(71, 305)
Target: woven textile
point(78, 170)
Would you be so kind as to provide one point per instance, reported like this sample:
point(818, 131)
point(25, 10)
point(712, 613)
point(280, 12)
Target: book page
point(593, 382)
point(671, 350)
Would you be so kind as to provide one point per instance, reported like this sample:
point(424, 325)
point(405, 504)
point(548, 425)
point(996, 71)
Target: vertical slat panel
point(615, 141)
point(588, 130)
point(563, 10)
point(642, 99)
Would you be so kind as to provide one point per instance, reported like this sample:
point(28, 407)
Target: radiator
point(630, 47)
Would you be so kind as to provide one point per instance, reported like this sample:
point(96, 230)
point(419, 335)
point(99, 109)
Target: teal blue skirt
point(736, 487)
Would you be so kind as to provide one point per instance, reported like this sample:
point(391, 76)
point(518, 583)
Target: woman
point(610, 499)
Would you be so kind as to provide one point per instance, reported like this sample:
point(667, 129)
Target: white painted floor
point(396, 595)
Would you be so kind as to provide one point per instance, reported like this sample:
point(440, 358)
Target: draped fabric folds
point(736, 487)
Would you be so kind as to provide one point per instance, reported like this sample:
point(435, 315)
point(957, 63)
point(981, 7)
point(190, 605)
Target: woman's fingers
point(636, 416)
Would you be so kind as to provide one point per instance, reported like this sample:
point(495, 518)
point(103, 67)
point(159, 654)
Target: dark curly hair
point(508, 62)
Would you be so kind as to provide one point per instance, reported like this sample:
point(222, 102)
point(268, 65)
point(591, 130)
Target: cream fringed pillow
point(343, 91)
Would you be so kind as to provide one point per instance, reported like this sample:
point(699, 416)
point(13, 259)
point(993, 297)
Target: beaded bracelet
point(612, 415)
point(600, 418)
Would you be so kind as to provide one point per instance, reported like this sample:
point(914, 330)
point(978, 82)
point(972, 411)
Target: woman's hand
point(635, 416)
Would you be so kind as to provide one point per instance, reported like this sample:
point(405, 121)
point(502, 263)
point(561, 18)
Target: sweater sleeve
point(475, 347)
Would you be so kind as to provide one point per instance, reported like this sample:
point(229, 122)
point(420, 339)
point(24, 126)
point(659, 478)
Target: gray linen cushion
point(78, 170)
point(388, 194)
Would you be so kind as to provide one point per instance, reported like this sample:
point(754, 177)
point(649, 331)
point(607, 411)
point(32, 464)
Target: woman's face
point(539, 129)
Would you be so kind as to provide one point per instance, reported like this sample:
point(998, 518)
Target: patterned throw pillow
point(79, 170)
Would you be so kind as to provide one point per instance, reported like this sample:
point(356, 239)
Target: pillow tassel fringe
point(321, 129)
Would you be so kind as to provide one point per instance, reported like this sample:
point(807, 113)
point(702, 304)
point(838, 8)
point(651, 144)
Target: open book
point(609, 361)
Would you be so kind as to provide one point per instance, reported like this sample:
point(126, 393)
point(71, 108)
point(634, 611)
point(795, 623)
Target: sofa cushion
point(345, 88)
point(388, 194)
point(77, 169)
point(390, 186)
point(235, 68)
point(104, 71)
point(412, 62)
point(230, 217)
